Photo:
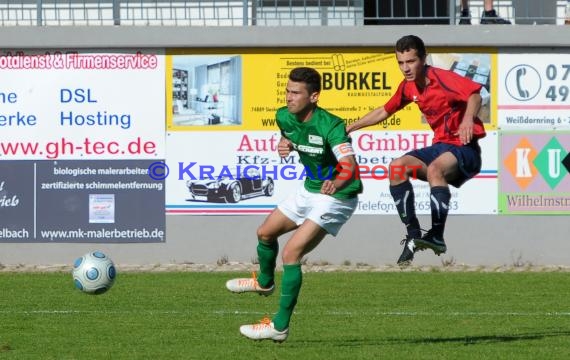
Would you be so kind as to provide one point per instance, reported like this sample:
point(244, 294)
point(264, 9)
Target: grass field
point(340, 315)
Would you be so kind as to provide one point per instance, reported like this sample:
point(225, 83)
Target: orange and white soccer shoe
point(242, 285)
point(264, 330)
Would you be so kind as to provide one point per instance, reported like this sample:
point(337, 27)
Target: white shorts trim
point(326, 211)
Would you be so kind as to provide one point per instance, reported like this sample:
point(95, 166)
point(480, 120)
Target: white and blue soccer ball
point(94, 273)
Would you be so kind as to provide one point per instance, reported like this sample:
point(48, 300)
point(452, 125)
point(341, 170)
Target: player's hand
point(465, 131)
point(284, 147)
point(328, 188)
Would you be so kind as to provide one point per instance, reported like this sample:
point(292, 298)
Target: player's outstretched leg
point(264, 330)
point(404, 200)
point(241, 285)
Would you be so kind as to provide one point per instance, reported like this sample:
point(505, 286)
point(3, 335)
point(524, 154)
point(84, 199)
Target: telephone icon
point(523, 93)
point(523, 82)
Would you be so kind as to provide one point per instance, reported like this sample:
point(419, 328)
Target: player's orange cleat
point(264, 330)
point(241, 285)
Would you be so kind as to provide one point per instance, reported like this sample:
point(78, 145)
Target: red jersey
point(443, 102)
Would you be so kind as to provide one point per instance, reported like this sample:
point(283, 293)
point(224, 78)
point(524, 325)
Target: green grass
point(340, 315)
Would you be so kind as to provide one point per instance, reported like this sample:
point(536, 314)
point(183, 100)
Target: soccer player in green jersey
point(324, 202)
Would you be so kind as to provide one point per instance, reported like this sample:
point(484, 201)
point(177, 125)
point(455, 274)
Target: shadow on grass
point(464, 340)
point(483, 339)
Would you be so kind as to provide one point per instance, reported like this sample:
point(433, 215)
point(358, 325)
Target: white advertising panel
point(82, 105)
point(201, 173)
point(534, 91)
point(61, 113)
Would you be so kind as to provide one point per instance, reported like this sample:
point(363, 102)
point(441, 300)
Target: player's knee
point(397, 170)
point(263, 234)
point(290, 257)
point(399, 162)
point(435, 171)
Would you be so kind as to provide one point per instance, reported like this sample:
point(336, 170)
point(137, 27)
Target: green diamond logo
point(548, 162)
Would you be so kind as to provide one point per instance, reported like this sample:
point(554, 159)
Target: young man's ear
point(314, 97)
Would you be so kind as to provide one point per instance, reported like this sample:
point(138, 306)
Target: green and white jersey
point(316, 141)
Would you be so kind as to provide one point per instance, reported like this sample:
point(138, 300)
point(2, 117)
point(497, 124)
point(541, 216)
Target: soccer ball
point(94, 273)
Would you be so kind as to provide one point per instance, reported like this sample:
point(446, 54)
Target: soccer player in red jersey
point(450, 104)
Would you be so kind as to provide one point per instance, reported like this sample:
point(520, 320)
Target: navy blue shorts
point(468, 158)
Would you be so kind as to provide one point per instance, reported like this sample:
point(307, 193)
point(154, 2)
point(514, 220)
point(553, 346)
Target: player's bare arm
point(374, 117)
point(284, 147)
point(465, 131)
point(348, 171)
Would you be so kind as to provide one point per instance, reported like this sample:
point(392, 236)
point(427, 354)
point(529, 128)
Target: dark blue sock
point(404, 199)
point(440, 196)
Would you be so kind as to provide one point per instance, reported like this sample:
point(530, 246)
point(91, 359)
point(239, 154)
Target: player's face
point(299, 101)
point(410, 64)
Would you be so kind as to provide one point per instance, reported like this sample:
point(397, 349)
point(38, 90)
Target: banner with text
point(82, 105)
point(78, 130)
point(535, 91)
point(232, 172)
point(80, 201)
point(237, 92)
point(534, 173)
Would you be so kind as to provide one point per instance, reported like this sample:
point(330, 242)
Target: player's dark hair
point(411, 42)
point(309, 76)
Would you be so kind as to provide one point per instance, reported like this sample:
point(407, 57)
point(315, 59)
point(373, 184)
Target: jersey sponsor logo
point(309, 149)
point(315, 139)
point(342, 150)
